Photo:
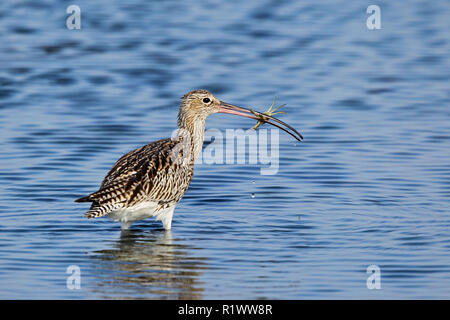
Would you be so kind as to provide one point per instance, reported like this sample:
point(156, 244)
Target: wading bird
point(151, 180)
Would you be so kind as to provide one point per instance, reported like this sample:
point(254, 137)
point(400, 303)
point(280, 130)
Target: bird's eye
point(206, 100)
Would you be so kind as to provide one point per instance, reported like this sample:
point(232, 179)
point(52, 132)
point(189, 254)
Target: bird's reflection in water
point(147, 265)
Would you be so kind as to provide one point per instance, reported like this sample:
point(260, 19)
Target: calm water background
point(369, 185)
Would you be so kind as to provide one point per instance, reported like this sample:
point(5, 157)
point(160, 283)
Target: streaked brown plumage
point(141, 174)
point(151, 180)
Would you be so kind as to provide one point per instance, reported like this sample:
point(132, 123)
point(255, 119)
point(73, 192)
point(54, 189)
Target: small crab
point(269, 112)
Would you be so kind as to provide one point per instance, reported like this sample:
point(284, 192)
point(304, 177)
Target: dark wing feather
point(140, 175)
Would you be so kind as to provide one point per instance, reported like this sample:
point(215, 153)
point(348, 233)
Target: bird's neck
point(191, 132)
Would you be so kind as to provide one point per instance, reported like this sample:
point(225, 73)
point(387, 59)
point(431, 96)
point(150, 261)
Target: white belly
point(142, 211)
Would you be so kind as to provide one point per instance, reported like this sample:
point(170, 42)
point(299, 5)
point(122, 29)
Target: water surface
point(369, 185)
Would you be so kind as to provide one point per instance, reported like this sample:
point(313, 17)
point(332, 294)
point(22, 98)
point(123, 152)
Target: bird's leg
point(126, 225)
point(166, 217)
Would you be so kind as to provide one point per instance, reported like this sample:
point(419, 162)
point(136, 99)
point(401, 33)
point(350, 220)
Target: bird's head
point(197, 105)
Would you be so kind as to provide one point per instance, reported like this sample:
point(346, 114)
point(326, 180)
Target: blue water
point(370, 184)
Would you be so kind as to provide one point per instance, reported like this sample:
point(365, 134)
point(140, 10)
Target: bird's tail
point(99, 210)
point(84, 199)
point(95, 211)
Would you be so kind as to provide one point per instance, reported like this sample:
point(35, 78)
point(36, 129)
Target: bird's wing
point(143, 174)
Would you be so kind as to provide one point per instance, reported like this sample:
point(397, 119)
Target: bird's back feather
point(151, 172)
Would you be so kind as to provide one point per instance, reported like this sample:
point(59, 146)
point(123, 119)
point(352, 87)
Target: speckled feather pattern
point(151, 180)
point(155, 172)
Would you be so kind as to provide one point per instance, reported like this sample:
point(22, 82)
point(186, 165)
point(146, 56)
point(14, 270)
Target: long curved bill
point(243, 112)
